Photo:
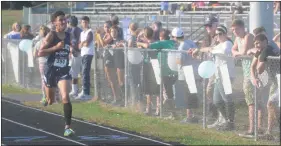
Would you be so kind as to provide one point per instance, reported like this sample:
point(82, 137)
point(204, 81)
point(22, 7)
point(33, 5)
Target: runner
point(57, 47)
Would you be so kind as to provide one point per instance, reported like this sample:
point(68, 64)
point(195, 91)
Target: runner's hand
point(60, 45)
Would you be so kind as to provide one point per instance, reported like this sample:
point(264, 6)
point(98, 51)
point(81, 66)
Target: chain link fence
point(140, 75)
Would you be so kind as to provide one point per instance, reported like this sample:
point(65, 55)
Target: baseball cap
point(221, 29)
point(210, 20)
point(177, 32)
point(73, 21)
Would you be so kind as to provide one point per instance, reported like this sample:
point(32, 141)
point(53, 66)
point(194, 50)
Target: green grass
point(8, 18)
point(12, 89)
point(126, 119)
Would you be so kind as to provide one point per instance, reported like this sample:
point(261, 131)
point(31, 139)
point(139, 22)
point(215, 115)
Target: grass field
point(128, 120)
point(8, 18)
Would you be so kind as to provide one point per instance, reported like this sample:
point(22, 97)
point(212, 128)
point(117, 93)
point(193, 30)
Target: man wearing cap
point(184, 59)
point(76, 61)
point(210, 40)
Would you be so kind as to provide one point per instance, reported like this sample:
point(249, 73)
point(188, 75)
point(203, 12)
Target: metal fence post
point(256, 115)
point(204, 104)
point(167, 21)
point(29, 17)
point(95, 75)
point(191, 31)
point(126, 75)
point(161, 86)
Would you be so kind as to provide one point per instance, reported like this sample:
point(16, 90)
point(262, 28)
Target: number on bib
point(60, 62)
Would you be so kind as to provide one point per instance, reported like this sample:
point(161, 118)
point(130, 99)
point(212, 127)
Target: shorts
point(53, 75)
point(150, 86)
point(119, 60)
point(76, 66)
point(108, 59)
point(261, 95)
point(274, 92)
point(186, 99)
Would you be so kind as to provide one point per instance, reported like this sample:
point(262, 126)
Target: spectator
point(183, 59)
point(118, 61)
point(42, 61)
point(210, 40)
point(115, 22)
point(76, 59)
point(164, 7)
point(276, 6)
point(169, 77)
point(258, 66)
point(86, 46)
point(150, 86)
point(25, 32)
point(274, 46)
point(15, 33)
point(244, 42)
point(223, 102)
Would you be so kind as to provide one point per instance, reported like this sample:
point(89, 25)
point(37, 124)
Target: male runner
point(57, 47)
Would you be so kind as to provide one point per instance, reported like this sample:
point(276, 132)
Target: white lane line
point(67, 139)
point(149, 139)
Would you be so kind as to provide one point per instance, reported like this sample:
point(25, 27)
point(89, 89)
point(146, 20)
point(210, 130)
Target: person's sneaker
point(190, 120)
point(68, 132)
point(44, 101)
point(73, 94)
point(247, 134)
point(218, 122)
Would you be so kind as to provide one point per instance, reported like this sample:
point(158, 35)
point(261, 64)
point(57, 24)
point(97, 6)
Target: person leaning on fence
point(223, 101)
point(259, 65)
point(15, 33)
point(169, 76)
point(134, 69)
point(149, 85)
point(274, 46)
point(118, 62)
point(42, 61)
point(86, 45)
point(210, 40)
point(184, 59)
point(25, 32)
point(115, 22)
point(76, 59)
point(243, 42)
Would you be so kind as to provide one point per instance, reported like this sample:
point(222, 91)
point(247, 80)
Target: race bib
point(59, 62)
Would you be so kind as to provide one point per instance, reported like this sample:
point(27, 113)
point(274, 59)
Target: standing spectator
point(25, 32)
point(183, 59)
point(210, 40)
point(86, 46)
point(223, 102)
point(169, 77)
point(76, 54)
point(258, 66)
point(118, 60)
point(115, 22)
point(244, 42)
point(164, 7)
point(15, 33)
point(150, 86)
point(42, 61)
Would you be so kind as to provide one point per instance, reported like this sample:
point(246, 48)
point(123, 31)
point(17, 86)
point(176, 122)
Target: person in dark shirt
point(56, 47)
point(260, 63)
point(25, 33)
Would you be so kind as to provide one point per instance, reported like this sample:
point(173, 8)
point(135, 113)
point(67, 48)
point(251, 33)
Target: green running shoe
point(68, 132)
point(44, 101)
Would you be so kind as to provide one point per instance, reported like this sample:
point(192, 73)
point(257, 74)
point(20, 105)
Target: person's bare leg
point(109, 79)
point(120, 75)
point(271, 117)
point(148, 104)
point(50, 95)
point(64, 87)
point(251, 109)
point(189, 113)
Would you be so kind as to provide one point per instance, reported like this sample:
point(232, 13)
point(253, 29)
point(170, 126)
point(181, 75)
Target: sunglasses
point(219, 34)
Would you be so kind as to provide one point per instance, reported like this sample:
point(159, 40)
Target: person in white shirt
point(223, 102)
point(86, 46)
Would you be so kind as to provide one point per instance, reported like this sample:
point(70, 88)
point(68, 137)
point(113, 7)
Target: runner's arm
point(44, 50)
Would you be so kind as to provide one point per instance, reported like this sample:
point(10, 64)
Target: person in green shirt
point(169, 76)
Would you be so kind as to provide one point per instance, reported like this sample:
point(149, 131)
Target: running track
point(22, 125)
